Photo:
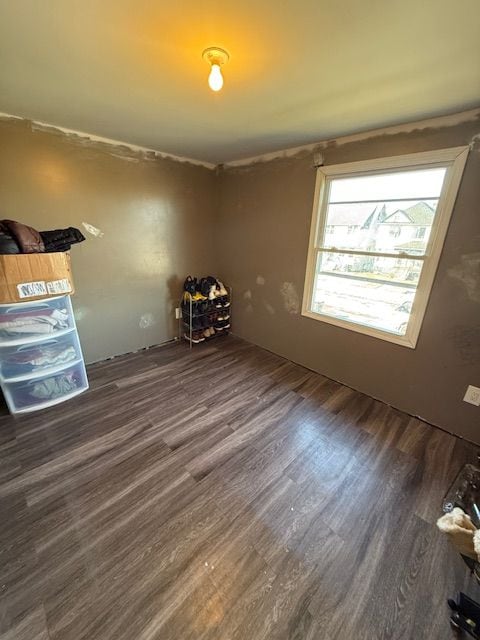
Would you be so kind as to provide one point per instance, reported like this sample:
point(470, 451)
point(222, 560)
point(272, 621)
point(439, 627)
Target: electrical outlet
point(178, 313)
point(472, 395)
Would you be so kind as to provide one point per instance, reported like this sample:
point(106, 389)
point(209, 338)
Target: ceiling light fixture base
point(215, 55)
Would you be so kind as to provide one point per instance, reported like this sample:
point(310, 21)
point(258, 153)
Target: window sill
point(403, 341)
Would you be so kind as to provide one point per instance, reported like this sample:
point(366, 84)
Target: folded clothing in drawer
point(49, 388)
point(55, 386)
point(33, 321)
point(53, 353)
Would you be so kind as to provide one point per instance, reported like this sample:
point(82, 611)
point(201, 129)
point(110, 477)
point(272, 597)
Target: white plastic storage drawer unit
point(41, 361)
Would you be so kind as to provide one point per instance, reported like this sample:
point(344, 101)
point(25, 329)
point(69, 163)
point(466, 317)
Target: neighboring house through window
point(377, 233)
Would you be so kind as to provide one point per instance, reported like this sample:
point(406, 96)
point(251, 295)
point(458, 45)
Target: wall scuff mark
point(468, 274)
point(146, 321)
point(269, 308)
point(467, 343)
point(291, 300)
point(474, 141)
point(80, 313)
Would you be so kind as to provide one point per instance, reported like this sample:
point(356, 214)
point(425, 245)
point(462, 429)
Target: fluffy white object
point(461, 532)
point(476, 543)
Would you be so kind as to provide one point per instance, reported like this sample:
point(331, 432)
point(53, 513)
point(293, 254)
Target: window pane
point(373, 291)
point(417, 184)
point(385, 227)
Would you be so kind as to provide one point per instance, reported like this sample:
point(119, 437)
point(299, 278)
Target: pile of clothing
point(205, 309)
point(16, 237)
point(37, 357)
point(38, 320)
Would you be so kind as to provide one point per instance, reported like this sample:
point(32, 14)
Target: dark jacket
point(61, 239)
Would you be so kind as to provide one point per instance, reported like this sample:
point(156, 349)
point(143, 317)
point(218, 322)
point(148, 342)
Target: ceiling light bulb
point(215, 79)
point(215, 58)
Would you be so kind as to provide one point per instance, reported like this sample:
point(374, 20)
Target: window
point(376, 278)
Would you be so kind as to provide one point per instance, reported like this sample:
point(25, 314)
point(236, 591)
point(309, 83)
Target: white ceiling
point(300, 70)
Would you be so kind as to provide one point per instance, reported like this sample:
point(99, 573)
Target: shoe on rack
point(211, 292)
point(198, 297)
point(195, 324)
point(190, 285)
point(223, 322)
point(223, 291)
point(191, 306)
point(196, 337)
point(187, 298)
point(225, 302)
point(200, 306)
point(204, 287)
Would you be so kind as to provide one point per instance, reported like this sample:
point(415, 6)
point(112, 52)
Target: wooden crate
point(34, 276)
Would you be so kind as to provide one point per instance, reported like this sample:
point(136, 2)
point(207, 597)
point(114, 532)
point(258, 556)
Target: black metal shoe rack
point(194, 315)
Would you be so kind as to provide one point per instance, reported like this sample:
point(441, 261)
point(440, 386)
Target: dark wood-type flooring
point(224, 493)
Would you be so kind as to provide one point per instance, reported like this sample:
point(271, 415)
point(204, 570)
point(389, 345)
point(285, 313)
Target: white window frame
point(454, 160)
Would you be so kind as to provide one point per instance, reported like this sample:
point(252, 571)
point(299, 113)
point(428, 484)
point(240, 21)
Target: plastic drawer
point(25, 322)
point(45, 391)
point(23, 362)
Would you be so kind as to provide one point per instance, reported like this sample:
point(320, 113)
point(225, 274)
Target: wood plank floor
point(224, 493)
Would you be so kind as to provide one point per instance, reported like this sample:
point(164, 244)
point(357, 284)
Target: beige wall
point(262, 232)
point(155, 218)
point(157, 222)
